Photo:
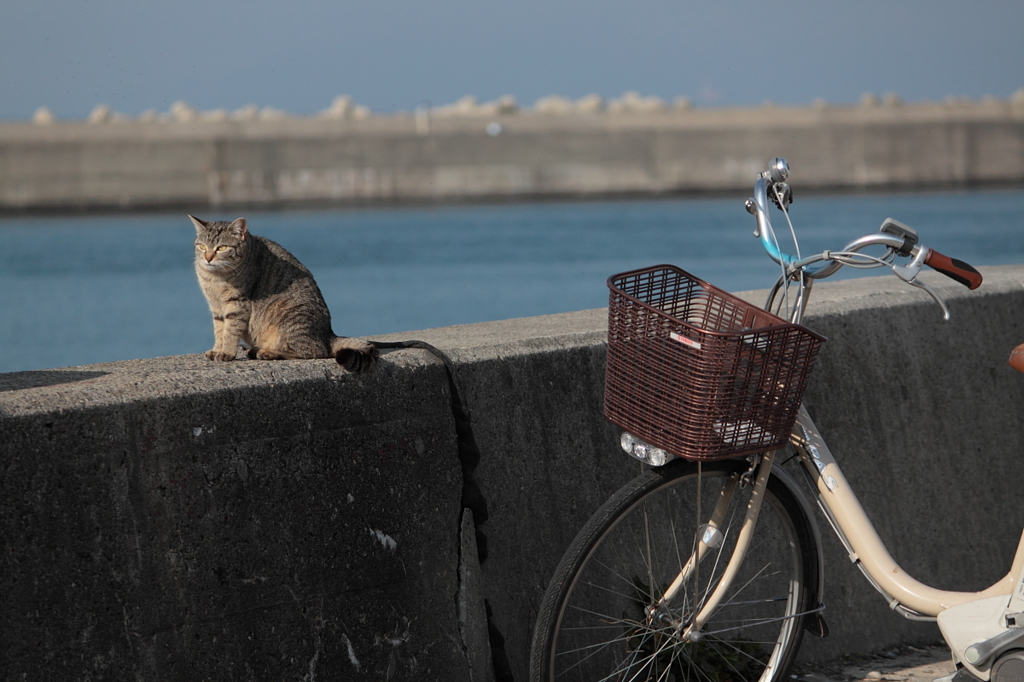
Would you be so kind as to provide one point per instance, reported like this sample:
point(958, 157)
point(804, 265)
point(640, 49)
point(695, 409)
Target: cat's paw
point(264, 354)
point(220, 356)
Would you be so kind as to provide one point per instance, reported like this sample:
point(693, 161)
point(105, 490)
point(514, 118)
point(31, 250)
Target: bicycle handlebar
point(758, 206)
point(898, 239)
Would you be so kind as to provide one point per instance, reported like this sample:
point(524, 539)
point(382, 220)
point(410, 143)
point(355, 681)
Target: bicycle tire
point(592, 624)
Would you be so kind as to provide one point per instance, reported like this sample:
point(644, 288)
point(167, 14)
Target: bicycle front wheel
point(603, 616)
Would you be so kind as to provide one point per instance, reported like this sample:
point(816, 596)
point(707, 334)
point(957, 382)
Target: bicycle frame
point(977, 626)
point(842, 508)
point(967, 620)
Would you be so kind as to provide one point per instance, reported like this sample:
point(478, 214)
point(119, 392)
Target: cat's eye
point(222, 248)
point(200, 247)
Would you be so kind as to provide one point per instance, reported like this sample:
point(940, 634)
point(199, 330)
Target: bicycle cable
point(851, 258)
point(780, 201)
point(780, 197)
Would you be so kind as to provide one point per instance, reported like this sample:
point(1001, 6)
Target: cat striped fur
point(260, 295)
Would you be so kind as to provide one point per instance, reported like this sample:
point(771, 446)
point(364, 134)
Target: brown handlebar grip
point(954, 269)
point(1017, 358)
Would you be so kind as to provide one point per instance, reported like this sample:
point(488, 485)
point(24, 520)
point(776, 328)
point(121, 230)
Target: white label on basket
point(684, 340)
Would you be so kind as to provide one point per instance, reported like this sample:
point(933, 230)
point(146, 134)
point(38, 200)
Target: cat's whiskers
point(221, 267)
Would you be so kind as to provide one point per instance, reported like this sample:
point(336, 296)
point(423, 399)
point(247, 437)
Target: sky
point(395, 55)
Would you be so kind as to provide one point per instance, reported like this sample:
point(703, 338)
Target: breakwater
point(496, 152)
point(175, 519)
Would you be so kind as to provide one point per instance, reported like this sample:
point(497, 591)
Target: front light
point(645, 452)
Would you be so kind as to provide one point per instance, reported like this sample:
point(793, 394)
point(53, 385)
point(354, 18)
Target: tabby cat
point(263, 296)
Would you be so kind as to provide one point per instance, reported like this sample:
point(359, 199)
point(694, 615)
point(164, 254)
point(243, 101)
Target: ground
point(900, 664)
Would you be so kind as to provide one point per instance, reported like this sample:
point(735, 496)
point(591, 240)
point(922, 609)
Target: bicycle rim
point(600, 620)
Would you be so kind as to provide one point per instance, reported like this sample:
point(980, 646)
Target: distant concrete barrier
point(635, 147)
point(176, 519)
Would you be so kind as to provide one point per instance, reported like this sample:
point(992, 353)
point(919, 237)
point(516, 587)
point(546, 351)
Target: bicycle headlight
point(645, 452)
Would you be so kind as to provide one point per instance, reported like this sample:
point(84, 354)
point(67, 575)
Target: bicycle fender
point(817, 625)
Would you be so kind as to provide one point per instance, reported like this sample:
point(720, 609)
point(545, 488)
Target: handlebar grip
point(1017, 358)
point(954, 269)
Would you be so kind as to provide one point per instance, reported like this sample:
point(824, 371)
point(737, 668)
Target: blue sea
point(83, 289)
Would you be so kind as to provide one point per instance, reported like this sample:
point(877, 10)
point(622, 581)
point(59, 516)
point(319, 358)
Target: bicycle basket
point(699, 372)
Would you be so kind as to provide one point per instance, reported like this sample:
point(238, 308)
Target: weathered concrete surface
point(548, 458)
point(384, 159)
point(906, 663)
point(923, 414)
point(175, 519)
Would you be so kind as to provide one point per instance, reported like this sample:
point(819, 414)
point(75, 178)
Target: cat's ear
point(239, 229)
point(198, 223)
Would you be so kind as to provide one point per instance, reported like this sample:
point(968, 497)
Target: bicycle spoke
point(612, 624)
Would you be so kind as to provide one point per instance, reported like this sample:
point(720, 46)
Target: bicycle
point(707, 567)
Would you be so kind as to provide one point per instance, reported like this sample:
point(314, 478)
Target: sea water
point(83, 289)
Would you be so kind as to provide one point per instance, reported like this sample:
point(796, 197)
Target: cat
point(261, 295)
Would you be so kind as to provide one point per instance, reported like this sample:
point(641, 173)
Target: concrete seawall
point(313, 161)
point(175, 519)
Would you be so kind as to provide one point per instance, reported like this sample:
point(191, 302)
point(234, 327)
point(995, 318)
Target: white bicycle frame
point(977, 626)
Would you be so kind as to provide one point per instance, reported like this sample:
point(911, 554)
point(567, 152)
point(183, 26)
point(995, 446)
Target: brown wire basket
point(699, 372)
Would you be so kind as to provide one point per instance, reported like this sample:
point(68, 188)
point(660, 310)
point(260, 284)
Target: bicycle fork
point(711, 538)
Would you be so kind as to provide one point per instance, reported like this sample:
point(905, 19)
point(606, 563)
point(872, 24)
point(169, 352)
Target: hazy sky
point(390, 55)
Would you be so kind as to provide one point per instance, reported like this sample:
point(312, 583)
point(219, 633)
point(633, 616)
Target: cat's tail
point(354, 355)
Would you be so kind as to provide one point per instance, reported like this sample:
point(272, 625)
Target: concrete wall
point(169, 520)
point(175, 519)
point(386, 159)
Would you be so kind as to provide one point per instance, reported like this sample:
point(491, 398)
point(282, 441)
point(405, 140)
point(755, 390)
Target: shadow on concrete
point(15, 381)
